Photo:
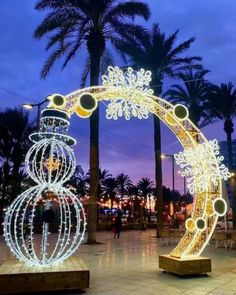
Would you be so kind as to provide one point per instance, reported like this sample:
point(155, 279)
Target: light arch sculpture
point(128, 94)
point(50, 162)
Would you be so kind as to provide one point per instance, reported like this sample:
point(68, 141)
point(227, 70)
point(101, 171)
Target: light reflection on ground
point(129, 265)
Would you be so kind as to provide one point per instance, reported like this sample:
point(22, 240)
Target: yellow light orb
point(82, 113)
point(190, 224)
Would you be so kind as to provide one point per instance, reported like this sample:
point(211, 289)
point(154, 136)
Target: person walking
point(118, 225)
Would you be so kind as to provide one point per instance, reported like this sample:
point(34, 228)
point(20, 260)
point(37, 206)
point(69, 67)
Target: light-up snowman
point(50, 162)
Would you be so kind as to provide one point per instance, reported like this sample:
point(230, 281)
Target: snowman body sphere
point(47, 206)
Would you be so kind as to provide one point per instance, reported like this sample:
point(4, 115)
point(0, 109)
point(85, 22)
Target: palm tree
point(72, 25)
point(103, 175)
point(79, 181)
point(194, 94)
point(145, 187)
point(164, 58)
point(14, 144)
point(133, 194)
point(123, 184)
point(223, 103)
point(110, 189)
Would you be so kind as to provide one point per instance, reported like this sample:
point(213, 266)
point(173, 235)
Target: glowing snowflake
point(133, 89)
point(200, 166)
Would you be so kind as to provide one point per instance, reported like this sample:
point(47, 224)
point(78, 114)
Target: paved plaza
point(129, 265)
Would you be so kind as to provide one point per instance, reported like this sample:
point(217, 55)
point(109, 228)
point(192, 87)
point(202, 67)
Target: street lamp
point(30, 106)
point(27, 106)
point(163, 156)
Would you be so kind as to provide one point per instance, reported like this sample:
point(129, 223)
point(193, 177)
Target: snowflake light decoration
point(199, 178)
point(134, 86)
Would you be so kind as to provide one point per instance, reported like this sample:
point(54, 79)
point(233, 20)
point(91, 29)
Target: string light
point(123, 97)
point(129, 95)
point(50, 162)
point(202, 165)
point(132, 84)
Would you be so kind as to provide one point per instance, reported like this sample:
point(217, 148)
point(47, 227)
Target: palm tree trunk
point(158, 174)
point(229, 147)
point(158, 162)
point(94, 153)
point(229, 128)
point(233, 193)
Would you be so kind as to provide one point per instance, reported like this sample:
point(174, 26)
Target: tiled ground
point(129, 265)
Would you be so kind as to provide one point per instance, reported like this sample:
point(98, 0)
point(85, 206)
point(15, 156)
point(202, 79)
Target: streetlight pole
point(185, 185)
point(163, 156)
point(30, 106)
point(179, 172)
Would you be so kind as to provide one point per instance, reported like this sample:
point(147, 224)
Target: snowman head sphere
point(51, 160)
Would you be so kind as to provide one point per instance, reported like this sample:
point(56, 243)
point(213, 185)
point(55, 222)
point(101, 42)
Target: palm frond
point(72, 52)
point(107, 60)
point(85, 73)
point(182, 47)
point(56, 54)
point(130, 9)
point(58, 37)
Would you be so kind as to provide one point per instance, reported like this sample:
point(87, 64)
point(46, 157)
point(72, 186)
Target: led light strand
point(50, 162)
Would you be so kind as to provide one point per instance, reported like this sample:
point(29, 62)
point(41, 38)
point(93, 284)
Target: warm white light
point(132, 84)
point(50, 162)
point(202, 165)
point(128, 95)
point(46, 155)
point(27, 106)
point(52, 249)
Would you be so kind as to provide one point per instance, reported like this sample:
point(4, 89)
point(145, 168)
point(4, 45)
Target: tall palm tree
point(161, 55)
point(223, 103)
point(72, 25)
point(14, 143)
point(193, 93)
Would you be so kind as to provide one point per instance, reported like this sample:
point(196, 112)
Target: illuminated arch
point(208, 203)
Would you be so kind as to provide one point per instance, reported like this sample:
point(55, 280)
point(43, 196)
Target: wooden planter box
point(183, 267)
point(17, 277)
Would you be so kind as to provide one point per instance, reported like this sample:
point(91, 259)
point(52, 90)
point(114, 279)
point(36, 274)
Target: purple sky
point(125, 146)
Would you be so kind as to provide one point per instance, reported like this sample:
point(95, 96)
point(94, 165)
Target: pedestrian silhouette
point(118, 225)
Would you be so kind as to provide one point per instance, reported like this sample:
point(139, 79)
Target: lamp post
point(179, 172)
point(30, 106)
point(163, 156)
